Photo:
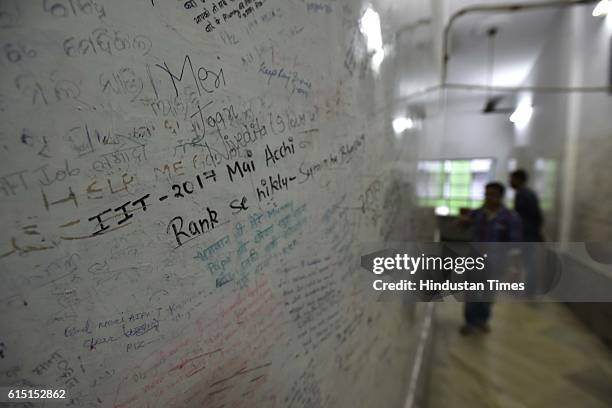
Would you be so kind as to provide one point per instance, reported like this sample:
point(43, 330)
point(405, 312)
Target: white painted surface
point(107, 103)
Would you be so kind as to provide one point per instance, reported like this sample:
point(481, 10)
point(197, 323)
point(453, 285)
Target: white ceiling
point(521, 37)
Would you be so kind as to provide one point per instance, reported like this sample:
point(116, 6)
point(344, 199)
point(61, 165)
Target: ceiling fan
point(492, 102)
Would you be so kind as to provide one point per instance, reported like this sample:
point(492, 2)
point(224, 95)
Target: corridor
point(536, 355)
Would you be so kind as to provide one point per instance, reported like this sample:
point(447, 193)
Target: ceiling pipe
point(508, 89)
point(503, 89)
point(411, 27)
point(534, 89)
point(497, 8)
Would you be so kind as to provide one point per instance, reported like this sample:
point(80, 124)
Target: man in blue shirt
point(493, 222)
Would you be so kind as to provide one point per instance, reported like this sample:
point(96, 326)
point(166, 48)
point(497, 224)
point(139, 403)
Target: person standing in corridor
point(493, 222)
point(527, 205)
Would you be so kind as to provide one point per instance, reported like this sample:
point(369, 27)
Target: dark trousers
point(477, 312)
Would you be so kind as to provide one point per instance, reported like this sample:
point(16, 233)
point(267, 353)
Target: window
point(448, 185)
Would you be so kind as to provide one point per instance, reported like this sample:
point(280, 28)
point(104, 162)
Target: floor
point(537, 355)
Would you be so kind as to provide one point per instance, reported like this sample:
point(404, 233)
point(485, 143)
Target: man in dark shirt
point(493, 222)
point(527, 206)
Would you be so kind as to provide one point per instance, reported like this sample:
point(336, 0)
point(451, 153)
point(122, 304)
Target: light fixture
point(402, 124)
point(369, 25)
point(442, 210)
point(602, 8)
point(520, 117)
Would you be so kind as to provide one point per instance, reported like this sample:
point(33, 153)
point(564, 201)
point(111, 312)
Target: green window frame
point(451, 184)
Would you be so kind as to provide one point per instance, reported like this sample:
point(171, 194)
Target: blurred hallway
point(535, 356)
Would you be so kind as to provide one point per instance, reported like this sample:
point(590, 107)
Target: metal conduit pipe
point(509, 8)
